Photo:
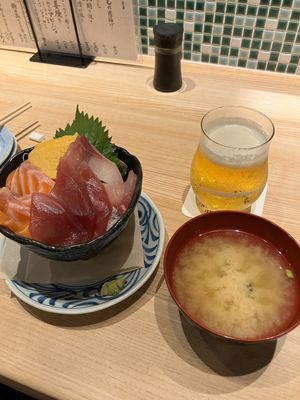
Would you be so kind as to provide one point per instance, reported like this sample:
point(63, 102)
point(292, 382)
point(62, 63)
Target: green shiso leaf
point(94, 131)
point(112, 288)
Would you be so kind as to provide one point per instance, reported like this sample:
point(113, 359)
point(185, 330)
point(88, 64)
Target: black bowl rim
point(201, 325)
point(62, 249)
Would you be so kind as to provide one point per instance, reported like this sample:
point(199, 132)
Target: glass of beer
point(230, 166)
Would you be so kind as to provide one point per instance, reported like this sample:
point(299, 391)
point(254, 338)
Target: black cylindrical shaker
point(167, 72)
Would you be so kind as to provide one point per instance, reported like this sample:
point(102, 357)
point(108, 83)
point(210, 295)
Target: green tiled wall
point(246, 33)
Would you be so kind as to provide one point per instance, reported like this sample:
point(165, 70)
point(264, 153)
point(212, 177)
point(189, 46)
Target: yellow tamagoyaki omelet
point(46, 155)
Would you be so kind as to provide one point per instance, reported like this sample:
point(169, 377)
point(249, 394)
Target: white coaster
point(190, 209)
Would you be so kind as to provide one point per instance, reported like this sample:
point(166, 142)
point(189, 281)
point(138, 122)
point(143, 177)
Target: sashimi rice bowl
point(70, 196)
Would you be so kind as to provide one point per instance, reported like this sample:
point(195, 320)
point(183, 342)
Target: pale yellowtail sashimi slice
point(119, 193)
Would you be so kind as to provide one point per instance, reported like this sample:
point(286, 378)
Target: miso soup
point(236, 284)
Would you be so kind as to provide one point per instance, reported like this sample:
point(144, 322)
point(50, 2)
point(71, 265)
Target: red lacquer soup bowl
point(273, 243)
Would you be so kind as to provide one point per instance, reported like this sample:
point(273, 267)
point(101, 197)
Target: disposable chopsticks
point(4, 119)
point(27, 130)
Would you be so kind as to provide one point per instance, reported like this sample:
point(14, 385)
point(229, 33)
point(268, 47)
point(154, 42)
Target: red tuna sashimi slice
point(27, 179)
point(50, 223)
point(70, 191)
point(82, 194)
point(15, 211)
point(99, 200)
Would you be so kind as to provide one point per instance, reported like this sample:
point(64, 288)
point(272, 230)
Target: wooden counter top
point(142, 348)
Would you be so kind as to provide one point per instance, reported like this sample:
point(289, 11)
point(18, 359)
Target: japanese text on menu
point(105, 27)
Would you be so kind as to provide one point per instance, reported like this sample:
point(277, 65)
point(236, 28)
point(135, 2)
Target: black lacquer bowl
point(83, 250)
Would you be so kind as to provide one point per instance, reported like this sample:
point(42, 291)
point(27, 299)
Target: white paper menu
point(106, 27)
point(14, 25)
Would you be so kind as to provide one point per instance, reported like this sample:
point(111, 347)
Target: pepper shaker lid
point(168, 35)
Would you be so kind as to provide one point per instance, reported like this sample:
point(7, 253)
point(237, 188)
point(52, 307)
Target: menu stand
point(57, 58)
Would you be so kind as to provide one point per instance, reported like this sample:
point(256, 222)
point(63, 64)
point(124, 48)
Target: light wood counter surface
point(142, 348)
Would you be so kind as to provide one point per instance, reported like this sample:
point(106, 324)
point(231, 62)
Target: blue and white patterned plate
point(82, 299)
point(7, 143)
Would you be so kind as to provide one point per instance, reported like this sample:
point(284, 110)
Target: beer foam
point(234, 143)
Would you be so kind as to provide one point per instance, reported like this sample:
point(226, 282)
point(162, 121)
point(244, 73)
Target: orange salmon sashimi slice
point(28, 179)
point(15, 211)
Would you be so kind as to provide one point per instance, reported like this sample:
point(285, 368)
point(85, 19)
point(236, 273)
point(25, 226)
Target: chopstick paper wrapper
point(124, 254)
